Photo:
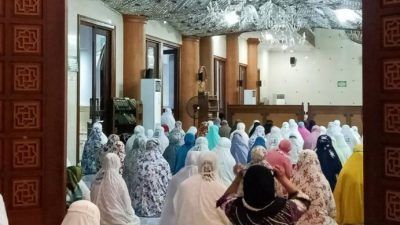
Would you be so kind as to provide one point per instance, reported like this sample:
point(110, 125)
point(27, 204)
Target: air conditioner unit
point(279, 99)
point(250, 97)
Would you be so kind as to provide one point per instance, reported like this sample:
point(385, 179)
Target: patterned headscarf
point(74, 175)
point(311, 181)
point(92, 149)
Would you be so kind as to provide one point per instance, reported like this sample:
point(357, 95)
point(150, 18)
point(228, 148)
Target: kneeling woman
point(259, 205)
point(195, 199)
point(110, 194)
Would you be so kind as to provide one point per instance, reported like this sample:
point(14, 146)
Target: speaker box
point(149, 74)
point(293, 61)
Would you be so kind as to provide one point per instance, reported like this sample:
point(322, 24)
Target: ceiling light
point(306, 57)
point(268, 37)
point(231, 18)
point(165, 22)
point(291, 51)
point(284, 47)
point(344, 15)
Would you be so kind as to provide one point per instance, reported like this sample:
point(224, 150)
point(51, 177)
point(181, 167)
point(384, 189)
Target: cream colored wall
point(219, 46)
point(163, 31)
point(314, 78)
point(243, 50)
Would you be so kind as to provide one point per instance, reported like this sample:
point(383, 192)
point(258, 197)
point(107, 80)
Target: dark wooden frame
point(346, 111)
point(264, 110)
point(106, 26)
point(242, 83)
point(220, 59)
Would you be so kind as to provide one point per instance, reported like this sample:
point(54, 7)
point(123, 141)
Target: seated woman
point(3, 213)
point(196, 196)
point(151, 181)
point(182, 151)
point(168, 215)
point(349, 190)
point(82, 213)
point(259, 204)
point(175, 140)
point(330, 163)
point(76, 188)
point(91, 151)
point(225, 161)
point(311, 181)
point(110, 193)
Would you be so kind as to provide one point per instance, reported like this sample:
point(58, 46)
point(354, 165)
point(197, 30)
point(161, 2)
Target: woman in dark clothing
point(255, 125)
point(259, 204)
point(330, 163)
point(267, 126)
point(310, 124)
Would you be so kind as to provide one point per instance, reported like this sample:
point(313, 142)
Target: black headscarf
point(267, 126)
point(255, 125)
point(330, 163)
point(258, 186)
point(310, 124)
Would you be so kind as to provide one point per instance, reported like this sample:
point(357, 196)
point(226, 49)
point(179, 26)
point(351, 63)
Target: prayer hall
point(199, 112)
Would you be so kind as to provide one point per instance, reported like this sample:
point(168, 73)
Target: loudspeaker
point(293, 61)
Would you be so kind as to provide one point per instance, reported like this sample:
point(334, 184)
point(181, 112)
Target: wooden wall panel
point(32, 110)
point(381, 96)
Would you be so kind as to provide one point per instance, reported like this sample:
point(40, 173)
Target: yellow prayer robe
point(349, 190)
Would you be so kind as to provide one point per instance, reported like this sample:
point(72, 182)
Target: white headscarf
point(192, 130)
point(160, 135)
point(168, 119)
point(259, 132)
point(81, 213)
point(200, 145)
point(296, 148)
point(342, 149)
point(150, 133)
point(355, 129)
point(99, 126)
point(350, 137)
point(138, 131)
point(168, 215)
point(294, 130)
point(285, 129)
point(196, 197)
point(274, 138)
point(226, 162)
point(323, 130)
point(110, 193)
point(3, 213)
point(240, 128)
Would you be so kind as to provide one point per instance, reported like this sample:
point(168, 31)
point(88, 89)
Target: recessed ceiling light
point(291, 51)
point(165, 22)
point(231, 18)
point(268, 37)
point(284, 47)
point(306, 57)
point(344, 15)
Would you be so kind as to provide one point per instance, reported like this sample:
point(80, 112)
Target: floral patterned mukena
point(91, 150)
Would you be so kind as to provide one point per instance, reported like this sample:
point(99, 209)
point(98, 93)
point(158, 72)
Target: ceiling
point(208, 17)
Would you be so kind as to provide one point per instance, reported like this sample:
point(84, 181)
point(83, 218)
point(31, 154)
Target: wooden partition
point(277, 113)
point(323, 114)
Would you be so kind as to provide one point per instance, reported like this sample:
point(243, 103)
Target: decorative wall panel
point(391, 74)
point(27, 115)
point(28, 7)
point(26, 192)
point(391, 31)
point(27, 39)
point(1, 39)
point(390, 2)
point(26, 153)
point(392, 162)
point(393, 206)
point(392, 118)
point(27, 76)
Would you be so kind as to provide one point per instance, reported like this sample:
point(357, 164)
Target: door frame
point(224, 95)
point(164, 43)
point(242, 83)
point(105, 26)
